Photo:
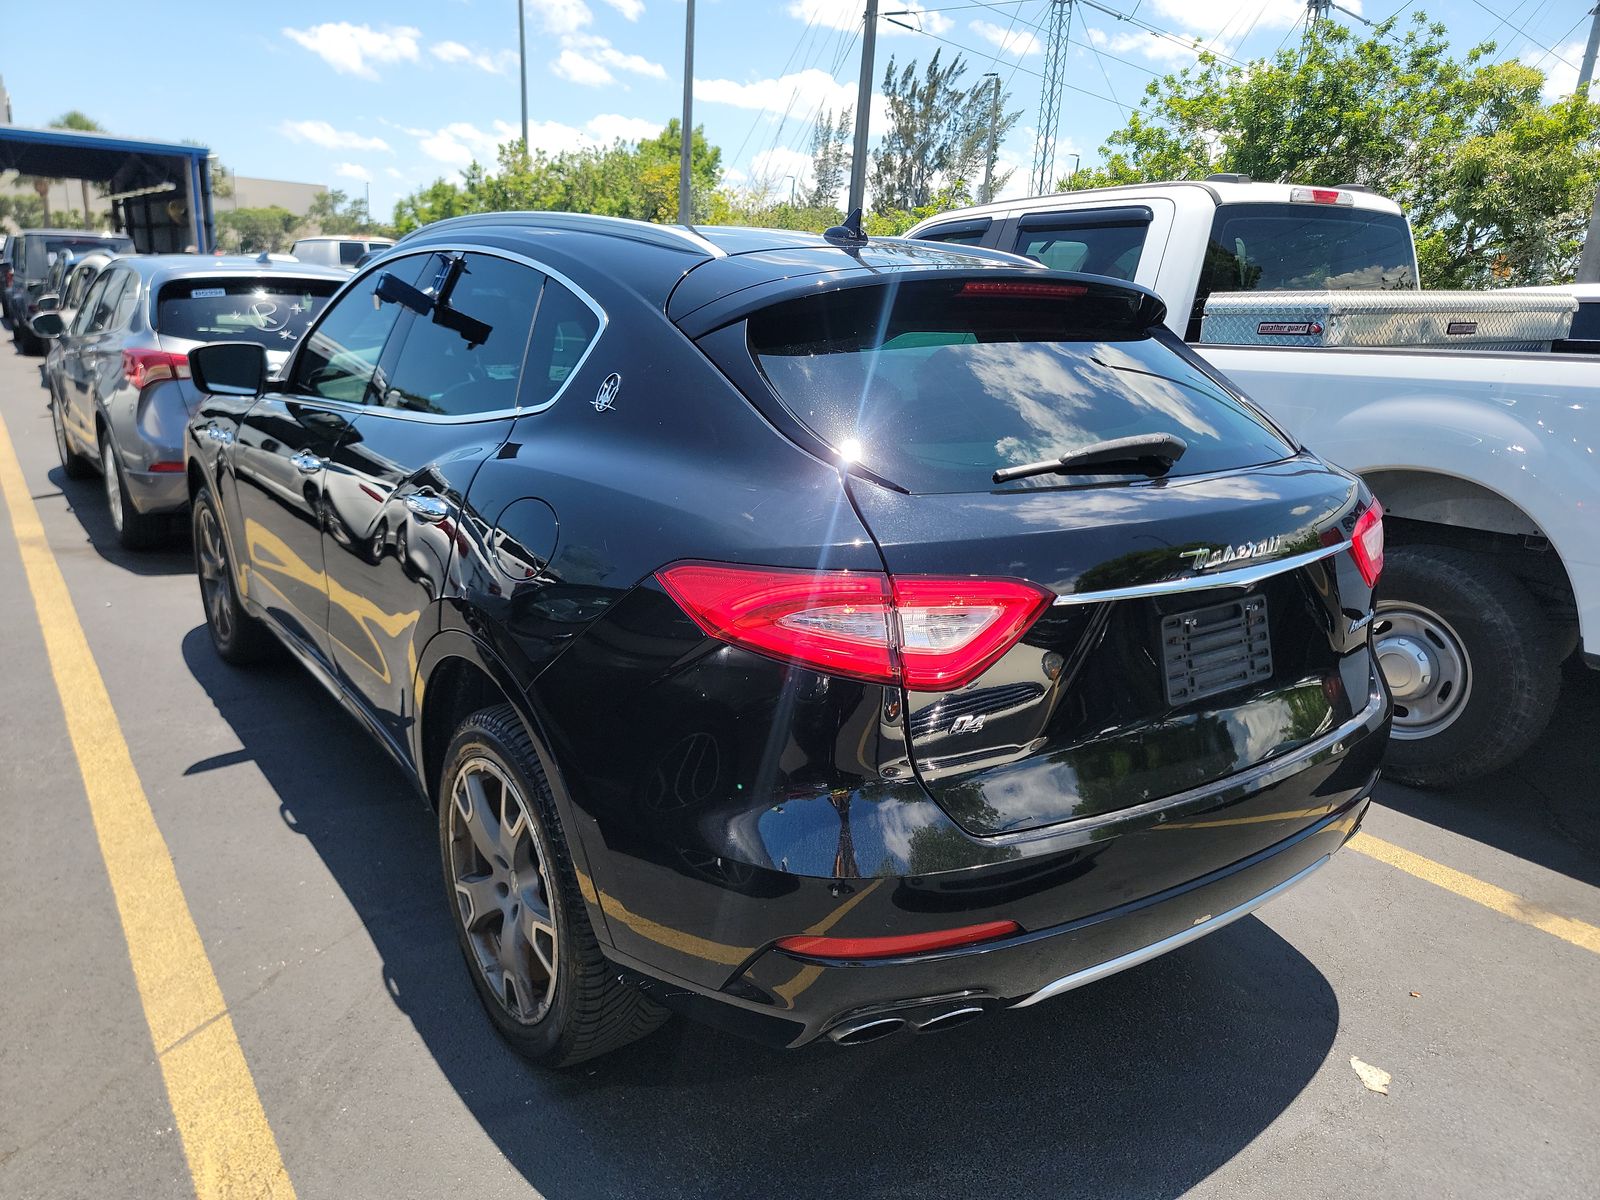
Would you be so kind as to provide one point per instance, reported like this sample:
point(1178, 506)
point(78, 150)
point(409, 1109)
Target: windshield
point(1304, 247)
point(935, 387)
point(273, 313)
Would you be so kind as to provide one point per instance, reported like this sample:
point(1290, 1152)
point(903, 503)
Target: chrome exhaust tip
point(949, 1019)
point(859, 1033)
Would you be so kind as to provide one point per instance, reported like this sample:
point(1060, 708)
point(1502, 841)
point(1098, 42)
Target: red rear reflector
point(930, 634)
point(166, 468)
point(1366, 543)
point(1013, 287)
point(897, 947)
point(1307, 195)
point(144, 367)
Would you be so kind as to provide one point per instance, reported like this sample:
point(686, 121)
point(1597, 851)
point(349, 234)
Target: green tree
point(73, 119)
point(830, 157)
point(336, 214)
point(938, 134)
point(1496, 182)
point(252, 230)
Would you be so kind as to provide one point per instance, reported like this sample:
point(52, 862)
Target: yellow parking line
point(226, 1138)
point(1509, 904)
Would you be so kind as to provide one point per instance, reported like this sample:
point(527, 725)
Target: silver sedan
point(118, 377)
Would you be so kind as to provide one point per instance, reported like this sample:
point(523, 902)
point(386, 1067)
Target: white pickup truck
point(1486, 461)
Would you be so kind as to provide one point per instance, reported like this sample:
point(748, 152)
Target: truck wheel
point(1470, 658)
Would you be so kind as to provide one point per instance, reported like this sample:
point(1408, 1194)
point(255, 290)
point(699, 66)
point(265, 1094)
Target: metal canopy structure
point(161, 191)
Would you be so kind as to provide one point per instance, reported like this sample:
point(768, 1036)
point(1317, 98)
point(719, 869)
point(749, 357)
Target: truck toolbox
point(1474, 320)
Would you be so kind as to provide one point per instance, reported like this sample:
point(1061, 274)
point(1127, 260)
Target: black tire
point(74, 464)
point(590, 1011)
point(135, 530)
point(239, 638)
point(30, 344)
point(1471, 613)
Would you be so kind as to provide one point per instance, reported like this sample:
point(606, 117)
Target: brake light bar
point(141, 368)
point(1017, 287)
point(1315, 195)
point(898, 946)
point(930, 634)
point(1366, 544)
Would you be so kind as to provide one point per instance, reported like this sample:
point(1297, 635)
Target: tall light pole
point(994, 121)
point(685, 150)
point(858, 158)
point(522, 60)
point(1587, 72)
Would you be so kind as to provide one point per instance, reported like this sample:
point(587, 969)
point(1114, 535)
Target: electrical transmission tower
point(1318, 10)
point(1043, 178)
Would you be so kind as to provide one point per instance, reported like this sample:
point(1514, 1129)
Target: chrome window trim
point(499, 414)
point(1241, 577)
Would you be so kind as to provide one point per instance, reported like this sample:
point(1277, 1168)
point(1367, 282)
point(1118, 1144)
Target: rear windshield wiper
point(1143, 454)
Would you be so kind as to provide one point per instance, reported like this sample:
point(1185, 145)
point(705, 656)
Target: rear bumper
point(156, 491)
point(1122, 894)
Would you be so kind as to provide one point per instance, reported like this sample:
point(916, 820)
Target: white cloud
point(1559, 78)
point(394, 173)
point(1160, 49)
point(1234, 17)
point(631, 10)
point(609, 127)
point(576, 68)
point(353, 171)
point(454, 52)
point(1097, 37)
point(1014, 41)
point(320, 133)
point(459, 143)
point(561, 16)
point(846, 15)
point(796, 94)
point(351, 49)
point(588, 60)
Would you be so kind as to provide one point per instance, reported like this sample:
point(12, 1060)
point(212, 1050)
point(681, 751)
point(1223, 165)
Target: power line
point(1526, 34)
point(1017, 67)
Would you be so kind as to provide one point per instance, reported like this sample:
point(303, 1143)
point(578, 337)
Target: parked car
point(118, 377)
point(1481, 459)
point(823, 638)
point(338, 251)
point(78, 273)
point(32, 253)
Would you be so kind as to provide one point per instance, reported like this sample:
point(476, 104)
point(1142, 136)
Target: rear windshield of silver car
point(271, 312)
point(936, 385)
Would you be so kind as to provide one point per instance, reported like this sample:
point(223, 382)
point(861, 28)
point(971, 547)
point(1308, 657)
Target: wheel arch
point(456, 676)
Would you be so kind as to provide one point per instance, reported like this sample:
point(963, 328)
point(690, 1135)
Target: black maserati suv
point(815, 635)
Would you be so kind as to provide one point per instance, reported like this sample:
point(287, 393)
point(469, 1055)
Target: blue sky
point(354, 93)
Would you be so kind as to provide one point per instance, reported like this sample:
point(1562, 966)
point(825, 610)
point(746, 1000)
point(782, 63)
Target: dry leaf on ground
point(1374, 1079)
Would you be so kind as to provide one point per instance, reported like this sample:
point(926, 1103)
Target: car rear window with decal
point(271, 312)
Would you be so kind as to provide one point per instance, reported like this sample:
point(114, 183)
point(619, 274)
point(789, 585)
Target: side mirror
point(49, 303)
point(48, 325)
point(229, 368)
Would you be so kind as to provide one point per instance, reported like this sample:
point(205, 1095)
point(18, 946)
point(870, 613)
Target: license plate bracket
point(1215, 649)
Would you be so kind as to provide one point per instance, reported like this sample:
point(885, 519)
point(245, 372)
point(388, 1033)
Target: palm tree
point(73, 119)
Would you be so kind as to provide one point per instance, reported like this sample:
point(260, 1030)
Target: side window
point(340, 354)
point(466, 357)
point(565, 329)
point(100, 317)
point(80, 323)
point(126, 299)
point(957, 233)
point(349, 252)
point(1111, 250)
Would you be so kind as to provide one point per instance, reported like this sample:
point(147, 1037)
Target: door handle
point(424, 507)
point(217, 434)
point(308, 463)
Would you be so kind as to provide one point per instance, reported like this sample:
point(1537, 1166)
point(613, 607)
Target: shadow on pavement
point(1541, 808)
point(1137, 1087)
point(87, 500)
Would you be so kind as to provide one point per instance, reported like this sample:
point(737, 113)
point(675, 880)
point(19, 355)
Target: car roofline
point(667, 237)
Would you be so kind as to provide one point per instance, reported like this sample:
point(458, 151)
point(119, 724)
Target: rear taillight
point(930, 634)
point(898, 946)
point(1313, 195)
point(144, 367)
point(1366, 543)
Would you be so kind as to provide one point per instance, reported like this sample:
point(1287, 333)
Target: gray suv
point(32, 253)
point(120, 394)
point(338, 251)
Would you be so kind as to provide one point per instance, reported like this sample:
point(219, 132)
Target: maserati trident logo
point(607, 395)
point(1209, 559)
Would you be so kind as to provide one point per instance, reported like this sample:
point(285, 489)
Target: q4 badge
point(607, 395)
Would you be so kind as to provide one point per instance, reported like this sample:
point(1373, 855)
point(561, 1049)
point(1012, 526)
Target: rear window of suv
point(936, 385)
point(271, 312)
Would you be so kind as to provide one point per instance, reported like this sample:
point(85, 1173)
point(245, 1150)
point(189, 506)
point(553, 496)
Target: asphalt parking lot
point(1455, 946)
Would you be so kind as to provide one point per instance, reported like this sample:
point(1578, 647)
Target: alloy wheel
point(502, 888)
point(113, 482)
point(60, 432)
point(1426, 666)
point(211, 558)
